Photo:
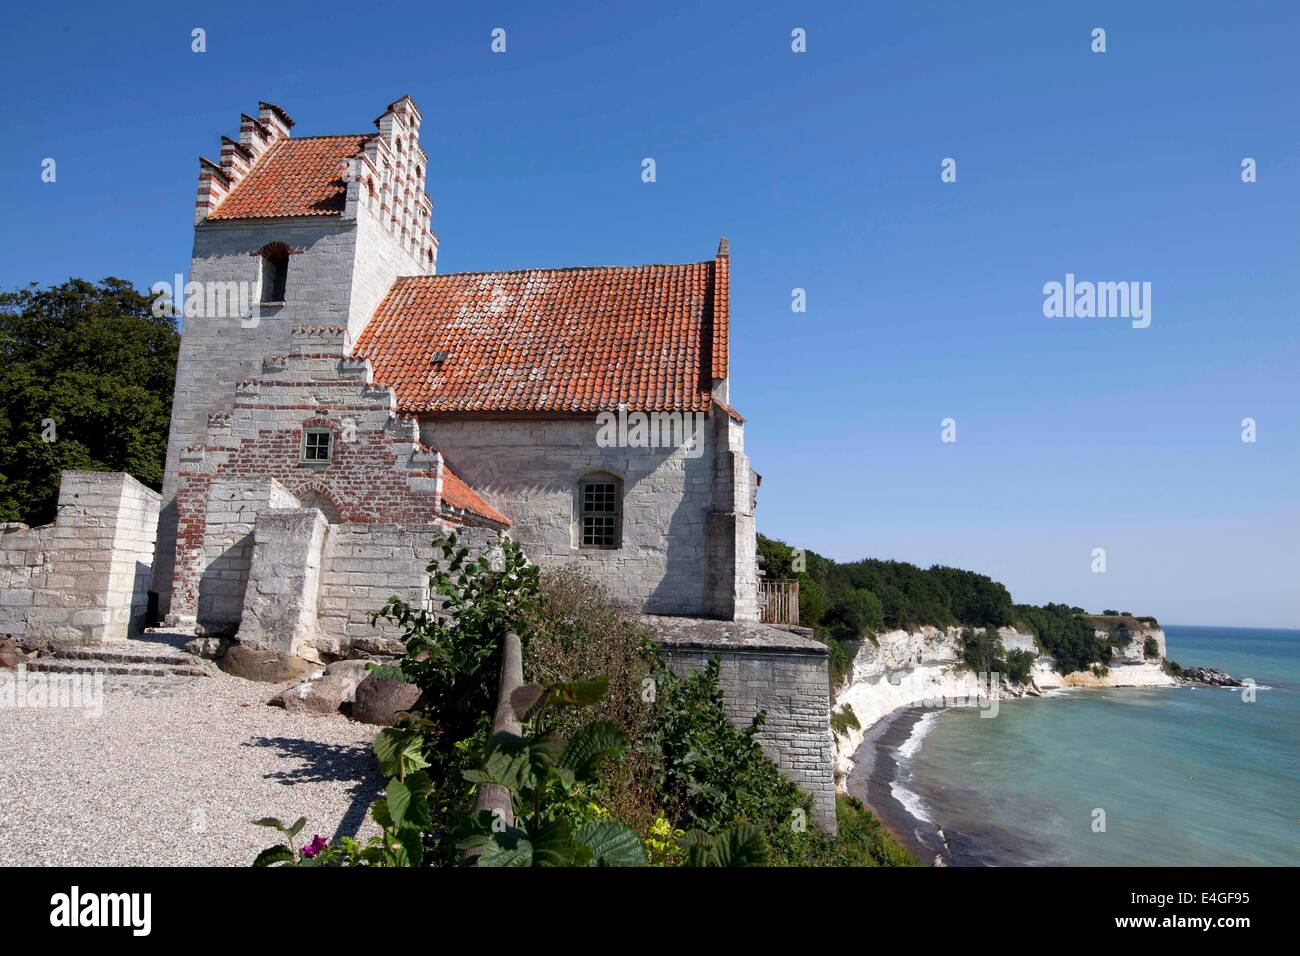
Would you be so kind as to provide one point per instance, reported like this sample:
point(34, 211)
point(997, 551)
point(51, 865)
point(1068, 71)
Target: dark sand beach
point(875, 766)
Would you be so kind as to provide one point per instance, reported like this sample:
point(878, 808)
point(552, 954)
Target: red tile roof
point(461, 496)
point(553, 340)
point(295, 177)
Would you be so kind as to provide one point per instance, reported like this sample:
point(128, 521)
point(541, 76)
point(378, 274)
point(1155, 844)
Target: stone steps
point(160, 657)
point(112, 655)
point(123, 668)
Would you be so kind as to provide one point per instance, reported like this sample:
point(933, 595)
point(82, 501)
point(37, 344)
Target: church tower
point(289, 233)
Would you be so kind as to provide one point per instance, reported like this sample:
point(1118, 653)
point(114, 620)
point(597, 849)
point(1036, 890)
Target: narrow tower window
point(275, 273)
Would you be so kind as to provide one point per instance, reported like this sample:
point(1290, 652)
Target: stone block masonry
point(765, 669)
point(340, 266)
point(295, 555)
point(84, 578)
point(280, 608)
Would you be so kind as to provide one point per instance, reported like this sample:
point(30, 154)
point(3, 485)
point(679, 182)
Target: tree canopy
point(845, 601)
point(87, 385)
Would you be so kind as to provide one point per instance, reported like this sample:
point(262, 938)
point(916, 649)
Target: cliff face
point(910, 667)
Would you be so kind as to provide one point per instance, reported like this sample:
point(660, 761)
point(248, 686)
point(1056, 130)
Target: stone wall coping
point(716, 635)
point(120, 478)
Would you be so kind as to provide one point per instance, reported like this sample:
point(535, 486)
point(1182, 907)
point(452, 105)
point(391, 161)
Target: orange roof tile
point(295, 177)
point(460, 495)
point(552, 340)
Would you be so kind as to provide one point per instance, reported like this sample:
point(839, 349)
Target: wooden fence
point(778, 601)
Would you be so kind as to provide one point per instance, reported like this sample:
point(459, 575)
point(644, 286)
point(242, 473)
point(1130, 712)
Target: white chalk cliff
point(909, 667)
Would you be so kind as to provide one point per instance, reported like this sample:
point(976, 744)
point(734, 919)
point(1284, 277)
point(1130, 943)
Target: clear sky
point(924, 298)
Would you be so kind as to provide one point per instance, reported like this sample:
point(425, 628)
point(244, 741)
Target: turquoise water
point(1185, 776)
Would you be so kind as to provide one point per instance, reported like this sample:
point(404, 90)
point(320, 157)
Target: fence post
point(490, 796)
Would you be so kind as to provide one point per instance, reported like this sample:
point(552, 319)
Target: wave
point(908, 799)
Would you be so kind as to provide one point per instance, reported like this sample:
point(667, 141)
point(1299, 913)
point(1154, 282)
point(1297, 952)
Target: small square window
point(317, 445)
point(600, 515)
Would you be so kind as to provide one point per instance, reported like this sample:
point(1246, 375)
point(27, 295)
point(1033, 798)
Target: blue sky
point(924, 298)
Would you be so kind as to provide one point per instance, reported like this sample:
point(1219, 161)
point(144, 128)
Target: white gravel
point(171, 774)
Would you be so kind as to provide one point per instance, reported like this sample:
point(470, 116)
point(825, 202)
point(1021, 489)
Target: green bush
point(577, 633)
point(453, 654)
point(1150, 647)
point(862, 841)
point(844, 719)
point(93, 363)
point(1069, 637)
point(1020, 666)
point(708, 773)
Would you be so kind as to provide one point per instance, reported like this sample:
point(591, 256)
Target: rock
point(356, 671)
point(263, 664)
point(208, 648)
point(321, 696)
point(378, 645)
point(11, 655)
point(1210, 676)
point(380, 699)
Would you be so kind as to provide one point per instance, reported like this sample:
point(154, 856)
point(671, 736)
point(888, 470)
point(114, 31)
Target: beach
point(874, 776)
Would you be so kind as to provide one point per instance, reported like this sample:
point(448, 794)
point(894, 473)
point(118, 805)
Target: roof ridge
point(299, 139)
point(607, 268)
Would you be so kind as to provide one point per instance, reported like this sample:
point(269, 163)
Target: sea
point(1184, 776)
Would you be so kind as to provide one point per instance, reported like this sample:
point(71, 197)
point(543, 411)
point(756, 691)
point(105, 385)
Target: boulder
point(263, 664)
point(11, 655)
point(1210, 676)
point(208, 648)
point(380, 699)
point(355, 671)
point(324, 695)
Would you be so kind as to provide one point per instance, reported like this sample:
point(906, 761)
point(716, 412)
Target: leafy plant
point(280, 853)
point(95, 363)
point(542, 771)
point(844, 719)
point(709, 774)
point(741, 845)
point(453, 654)
point(663, 844)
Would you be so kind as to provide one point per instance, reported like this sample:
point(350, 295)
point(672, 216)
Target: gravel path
point(171, 774)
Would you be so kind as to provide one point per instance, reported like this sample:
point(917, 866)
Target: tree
point(88, 378)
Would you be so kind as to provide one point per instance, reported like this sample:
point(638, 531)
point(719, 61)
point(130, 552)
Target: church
point(362, 402)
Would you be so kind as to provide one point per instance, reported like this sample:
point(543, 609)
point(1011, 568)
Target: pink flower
point(317, 844)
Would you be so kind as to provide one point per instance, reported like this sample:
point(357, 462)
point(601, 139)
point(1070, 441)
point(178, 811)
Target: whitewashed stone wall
point(83, 579)
point(688, 543)
point(340, 271)
point(282, 598)
point(365, 565)
point(232, 509)
point(765, 669)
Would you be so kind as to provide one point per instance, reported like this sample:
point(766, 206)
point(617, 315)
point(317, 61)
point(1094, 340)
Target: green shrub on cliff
point(1020, 666)
point(862, 841)
point(1067, 636)
point(861, 597)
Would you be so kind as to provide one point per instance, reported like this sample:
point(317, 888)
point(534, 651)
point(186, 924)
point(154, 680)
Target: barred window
point(600, 513)
point(317, 444)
